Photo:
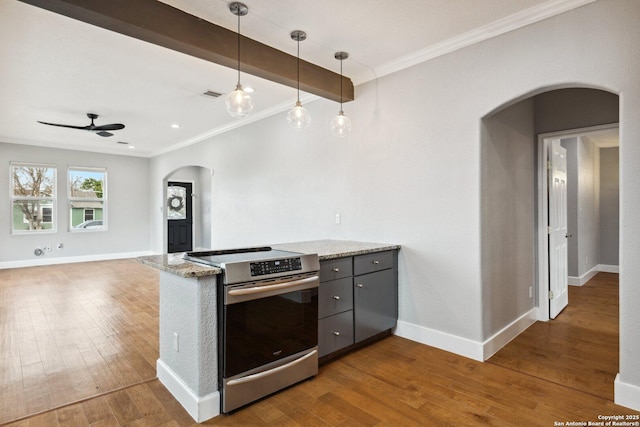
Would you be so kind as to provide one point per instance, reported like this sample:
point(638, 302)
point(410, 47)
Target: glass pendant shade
point(239, 103)
point(299, 117)
point(341, 124)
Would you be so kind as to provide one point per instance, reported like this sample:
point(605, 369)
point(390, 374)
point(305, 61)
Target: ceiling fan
point(100, 130)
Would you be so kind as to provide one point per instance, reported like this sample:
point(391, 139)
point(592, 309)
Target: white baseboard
point(431, 337)
point(604, 268)
point(509, 332)
point(479, 351)
point(201, 408)
point(72, 259)
point(627, 395)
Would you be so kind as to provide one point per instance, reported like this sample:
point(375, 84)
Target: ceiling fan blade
point(64, 126)
point(103, 133)
point(113, 126)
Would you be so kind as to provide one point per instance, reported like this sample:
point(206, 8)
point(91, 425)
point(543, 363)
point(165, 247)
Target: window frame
point(53, 198)
point(102, 200)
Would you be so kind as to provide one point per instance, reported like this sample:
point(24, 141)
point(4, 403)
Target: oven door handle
point(269, 288)
point(259, 375)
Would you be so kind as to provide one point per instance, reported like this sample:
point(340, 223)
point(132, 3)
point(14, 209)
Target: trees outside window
point(33, 197)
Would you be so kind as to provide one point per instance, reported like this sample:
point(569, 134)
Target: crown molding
point(509, 23)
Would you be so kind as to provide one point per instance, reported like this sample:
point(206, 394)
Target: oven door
point(265, 322)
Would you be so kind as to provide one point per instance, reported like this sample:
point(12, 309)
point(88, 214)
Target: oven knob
point(336, 297)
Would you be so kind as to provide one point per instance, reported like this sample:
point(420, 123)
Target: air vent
point(212, 94)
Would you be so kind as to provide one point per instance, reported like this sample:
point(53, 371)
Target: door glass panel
point(176, 202)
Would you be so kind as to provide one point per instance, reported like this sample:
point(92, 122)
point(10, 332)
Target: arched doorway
point(187, 209)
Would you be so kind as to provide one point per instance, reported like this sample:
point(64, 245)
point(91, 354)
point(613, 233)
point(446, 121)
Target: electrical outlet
point(530, 291)
point(338, 218)
point(176, 342)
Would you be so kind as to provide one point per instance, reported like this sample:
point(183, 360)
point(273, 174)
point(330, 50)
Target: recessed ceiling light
point(132, 147)
point(175, 126)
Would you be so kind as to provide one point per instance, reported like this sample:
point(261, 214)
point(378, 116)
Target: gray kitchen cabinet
point(358, 299)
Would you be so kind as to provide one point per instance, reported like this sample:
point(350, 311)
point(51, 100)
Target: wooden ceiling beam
point(163, 25)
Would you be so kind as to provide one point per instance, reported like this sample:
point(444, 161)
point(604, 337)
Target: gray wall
point(127, 198)
point(571, 145)
point(508, 215)
point(609, 205)
point(574, 108)
point(588, 205)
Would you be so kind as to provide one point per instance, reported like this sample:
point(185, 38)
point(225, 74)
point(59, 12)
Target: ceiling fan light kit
point(101, 130)
point(341, 124)
point(298, 116)
point(238, 102)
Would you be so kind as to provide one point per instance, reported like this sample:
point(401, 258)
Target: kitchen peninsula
point(357, 300)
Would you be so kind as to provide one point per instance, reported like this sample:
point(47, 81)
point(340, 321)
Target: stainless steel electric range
point(268, 320)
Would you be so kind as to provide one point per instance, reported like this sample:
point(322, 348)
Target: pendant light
point(239, 102)
point(298, 116)
point(341, 125)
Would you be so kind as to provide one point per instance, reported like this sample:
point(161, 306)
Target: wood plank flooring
point(76, 331)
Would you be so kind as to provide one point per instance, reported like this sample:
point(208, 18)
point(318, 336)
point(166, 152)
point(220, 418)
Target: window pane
point(32, 215)
point(86, 184)
point(87, 214)
point(176, 202)
point(33, 181)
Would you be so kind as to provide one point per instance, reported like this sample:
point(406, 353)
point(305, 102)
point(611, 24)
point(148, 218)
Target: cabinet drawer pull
point(375, 261)
point(336, 297)
point(336, 269)
point(336, 333)
point(359, 285)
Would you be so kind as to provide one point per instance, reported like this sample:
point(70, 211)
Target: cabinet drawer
point(363, 264)
point(335, 269)
point(335, 297)
point(335, 332)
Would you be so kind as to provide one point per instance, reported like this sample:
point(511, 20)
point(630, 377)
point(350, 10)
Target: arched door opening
point(187, 209)
point(514, 220)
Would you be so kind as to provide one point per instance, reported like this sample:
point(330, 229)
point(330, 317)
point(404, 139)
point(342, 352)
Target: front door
point(558, 248)
point(179, 217)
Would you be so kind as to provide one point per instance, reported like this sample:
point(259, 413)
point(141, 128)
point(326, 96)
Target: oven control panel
point(261, 268)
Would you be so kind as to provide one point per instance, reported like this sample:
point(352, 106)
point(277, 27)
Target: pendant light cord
point(340, 84)
point(238, 47)
point(298, 69)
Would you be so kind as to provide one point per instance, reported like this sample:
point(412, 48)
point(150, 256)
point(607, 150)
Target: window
point(33, 197)
point(87, 198)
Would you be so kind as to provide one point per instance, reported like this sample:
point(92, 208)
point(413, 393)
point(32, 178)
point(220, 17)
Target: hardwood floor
point(66, 338)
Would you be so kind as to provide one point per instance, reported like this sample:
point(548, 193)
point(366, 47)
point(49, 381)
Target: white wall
point(127, 233)
point(410, 171)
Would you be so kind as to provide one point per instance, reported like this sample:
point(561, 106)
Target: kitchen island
point(188, 365)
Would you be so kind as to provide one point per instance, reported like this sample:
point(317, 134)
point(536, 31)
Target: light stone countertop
point(330, 249)
point(326, 249)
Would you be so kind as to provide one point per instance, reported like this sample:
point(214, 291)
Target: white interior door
point(558, 263)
